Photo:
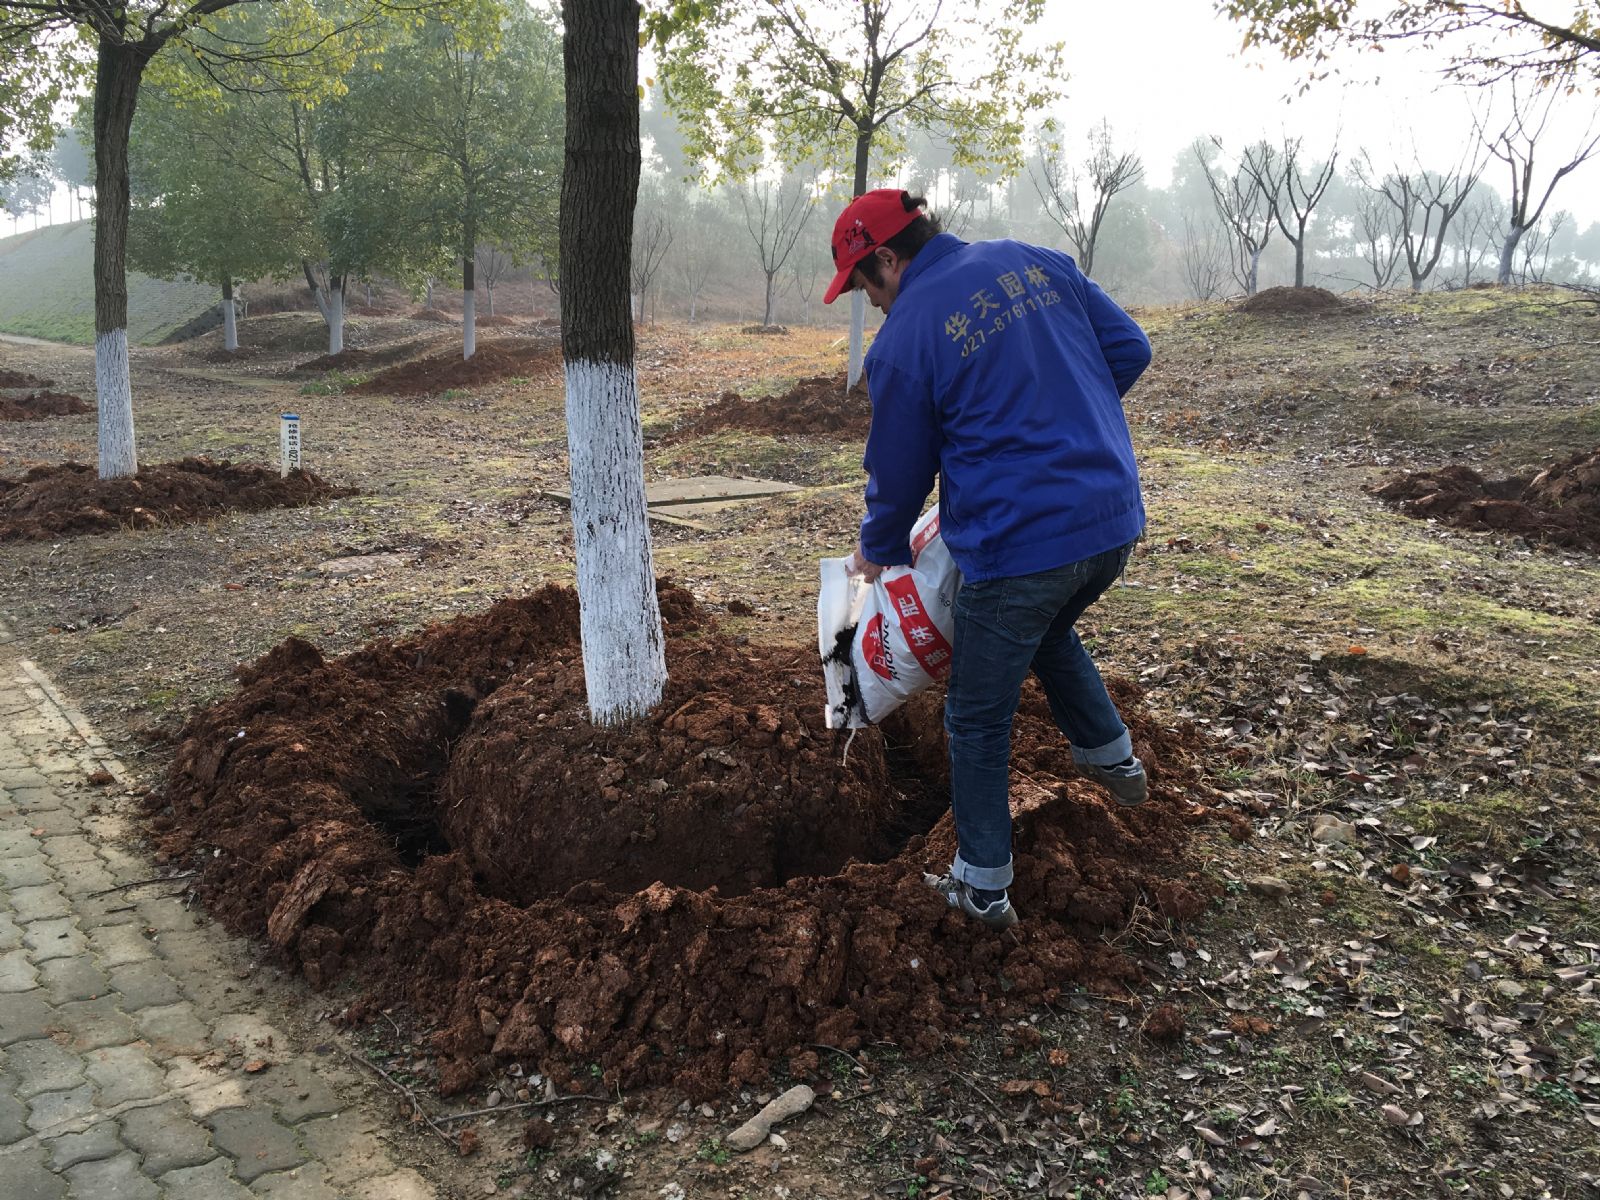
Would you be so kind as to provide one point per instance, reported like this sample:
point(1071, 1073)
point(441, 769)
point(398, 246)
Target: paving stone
point(72, 847)
point(15, 779)
point(214, 1181)
point(193, 958)
point(116, 1178)
point(49, 1109)
point(144, 985)
point(92, 913)
point(401, 1185)
point(116, 945)
point(256, 1143)
point(13, 1116)
point(25, 1176)
point(41, 903)
point(10, 932)
point(75, 978)
point(166, 915)
point(97, 1141)
point(167, 1137)
point(346, 1144)
point(17, 973)
point(28, 870)
point(43, 1065)
point(52, 821)
point(173, 1029)
point(34, 800)
point(92, 1024)
point(309, 1182)
point(58, 938)
point(124, 1073)
point(296, 1091)
point(80, 880)
point(124, 866)
point(248, 1034)
point(206, 1089)
point(26, 1015)
point(18, 843)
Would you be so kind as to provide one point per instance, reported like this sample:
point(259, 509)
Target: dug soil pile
point(1289, 301)
point(816, 405)
point(694, 899)
point(21, 379)
point(37, 405)
point(342, 361)
point(70, 499)
point(1559, 505)
point(490, 363)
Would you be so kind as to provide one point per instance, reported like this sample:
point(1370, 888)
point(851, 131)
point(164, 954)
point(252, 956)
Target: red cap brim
point(841, 283)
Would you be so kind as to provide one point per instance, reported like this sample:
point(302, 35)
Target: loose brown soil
point(21, 379)
point(37, 405)
point(1285, 301)
point(816, 405)
point(344, 360)
point(1559, 505)
point(69, 499)
point(490, 363)
point(691, 899)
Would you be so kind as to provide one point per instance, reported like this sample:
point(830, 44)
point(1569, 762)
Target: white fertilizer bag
point(883, 642)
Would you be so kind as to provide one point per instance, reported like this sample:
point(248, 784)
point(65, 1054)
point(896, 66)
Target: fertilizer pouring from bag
point(883, 642)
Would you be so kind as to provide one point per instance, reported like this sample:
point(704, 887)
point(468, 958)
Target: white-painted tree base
point(114, 392)
point(624, 654)
point(858, 326)
point(469, 324)
point(335, 316)
point(230, 327)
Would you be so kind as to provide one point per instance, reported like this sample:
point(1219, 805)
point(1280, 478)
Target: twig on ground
point(416, 1105)
point(843, 1054)
point(987, 1099)
point(122, 887)
point(484, 1112)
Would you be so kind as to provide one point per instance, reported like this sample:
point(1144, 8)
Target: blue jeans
point(1004, 628)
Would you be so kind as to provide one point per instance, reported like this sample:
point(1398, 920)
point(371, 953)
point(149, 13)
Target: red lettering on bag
point(922, 635)
point(924, 536)
point(873, 649)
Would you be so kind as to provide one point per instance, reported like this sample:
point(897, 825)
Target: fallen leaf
point(255, 1066)
point(1395, 1115)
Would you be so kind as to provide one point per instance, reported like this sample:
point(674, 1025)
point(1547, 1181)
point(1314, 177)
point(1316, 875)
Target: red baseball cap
point(866, 223)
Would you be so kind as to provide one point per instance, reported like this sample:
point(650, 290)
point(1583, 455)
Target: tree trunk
point(767, 317)
point(428, 301)
point(469, 307)
point(858, 301)
point(116, 91)
point(488, 289)
point(1508, 254)
point(624, 658)
point(230, 328)
point(335, 314)
point(1255, 271)
point(1300, 261)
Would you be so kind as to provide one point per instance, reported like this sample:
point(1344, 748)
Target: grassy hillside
point(47, 290)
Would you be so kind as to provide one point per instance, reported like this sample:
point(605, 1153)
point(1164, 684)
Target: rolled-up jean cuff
point(989, 878)
point(1108, 755)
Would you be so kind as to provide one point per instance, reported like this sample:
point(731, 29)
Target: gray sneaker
point(997, 914)
point(1127, 783)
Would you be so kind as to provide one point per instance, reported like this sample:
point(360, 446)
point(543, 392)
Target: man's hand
point(857, 564)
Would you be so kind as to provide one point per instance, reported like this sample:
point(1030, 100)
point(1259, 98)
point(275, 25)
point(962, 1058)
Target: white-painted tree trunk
point(114, 389)
point(230, 327)
point(624, 657)
point(335, 315)
point(469, 324)
point(858, 326)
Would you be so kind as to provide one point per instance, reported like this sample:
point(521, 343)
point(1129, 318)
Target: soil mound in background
point(21, 379)
point(1277, 301)
point(343, 360)
point(490, 363)
point(70, 499)
point(816, 405)
point(1560, 505)
point(666, 902)
point(36, 405)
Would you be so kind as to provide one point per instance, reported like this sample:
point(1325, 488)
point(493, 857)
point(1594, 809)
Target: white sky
point(1167, 71)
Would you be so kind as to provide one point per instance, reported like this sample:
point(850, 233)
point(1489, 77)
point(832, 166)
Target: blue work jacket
point(1001, 369)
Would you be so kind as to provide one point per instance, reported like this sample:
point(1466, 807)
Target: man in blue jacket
point(1000, 370)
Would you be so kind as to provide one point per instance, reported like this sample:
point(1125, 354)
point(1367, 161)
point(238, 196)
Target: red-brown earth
point(1559, 505)
point(21, 379)
point(490, 363)
point(816, 405)
point(696, 898)
point(69, 498)
point(43, 403)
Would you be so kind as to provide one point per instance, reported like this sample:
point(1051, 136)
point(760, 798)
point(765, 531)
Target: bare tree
point(700, 249)
point(1425, 202)
point(1299, 191)
point(1247, 202)
point(1204, 254)
point(1472, 236)
point(492, 265)
point(1076, 196)
point(1536, 248)
point(1379, 226)
point(652, 238)
point(775, 215)
point(1515, 146)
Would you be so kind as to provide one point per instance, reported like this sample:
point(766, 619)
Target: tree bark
point(230, 328)
point(1508, 254)
point(335, 314)
point(858, 302)
point(116, 92)
point(469, 308)
point(624, 659)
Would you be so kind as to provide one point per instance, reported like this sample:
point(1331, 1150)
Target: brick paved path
point(124, 1033)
